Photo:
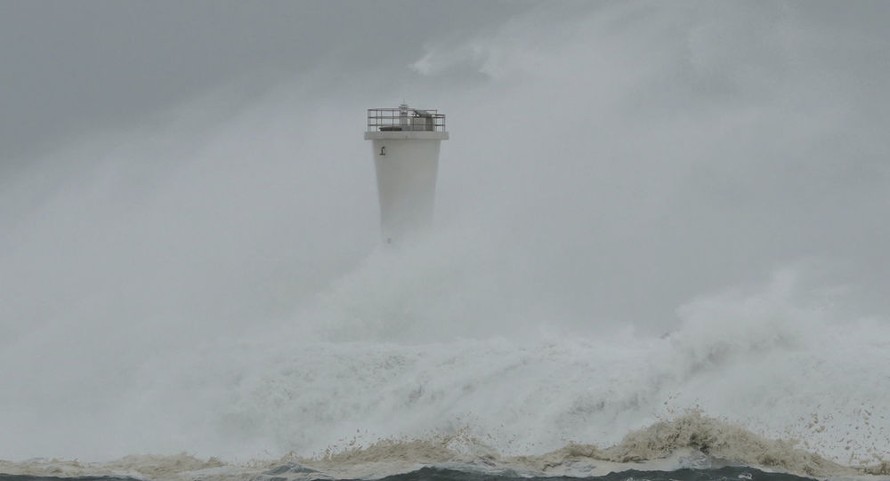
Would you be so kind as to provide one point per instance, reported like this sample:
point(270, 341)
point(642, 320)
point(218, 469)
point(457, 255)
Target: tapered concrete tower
point(406, 156)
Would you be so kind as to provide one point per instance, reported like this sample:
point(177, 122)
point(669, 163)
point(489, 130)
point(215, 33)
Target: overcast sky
point(72, 67)
point(608, 160)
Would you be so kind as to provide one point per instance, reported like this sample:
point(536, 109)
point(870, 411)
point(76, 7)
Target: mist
point(612, 166)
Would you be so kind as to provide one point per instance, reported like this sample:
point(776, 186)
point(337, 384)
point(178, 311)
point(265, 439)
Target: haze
point(177, 172)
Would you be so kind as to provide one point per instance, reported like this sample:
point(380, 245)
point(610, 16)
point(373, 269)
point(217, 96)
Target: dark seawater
point(726, 473)
point(439, 474)
point(26, 477)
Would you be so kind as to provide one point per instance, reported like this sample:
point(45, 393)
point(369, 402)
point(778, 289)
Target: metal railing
point(405, 118)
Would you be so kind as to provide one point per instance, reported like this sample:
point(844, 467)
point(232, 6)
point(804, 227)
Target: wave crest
point(690, 440)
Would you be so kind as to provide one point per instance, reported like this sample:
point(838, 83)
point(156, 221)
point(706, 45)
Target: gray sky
point(609, 160)
point(68, 68)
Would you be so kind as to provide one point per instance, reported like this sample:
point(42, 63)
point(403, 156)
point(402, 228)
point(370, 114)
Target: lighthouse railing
point(401, 119)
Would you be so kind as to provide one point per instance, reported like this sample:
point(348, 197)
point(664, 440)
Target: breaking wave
point(750, 378)
point(693, 443)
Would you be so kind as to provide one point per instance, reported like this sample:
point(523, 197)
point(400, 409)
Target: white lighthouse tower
point(405, 146)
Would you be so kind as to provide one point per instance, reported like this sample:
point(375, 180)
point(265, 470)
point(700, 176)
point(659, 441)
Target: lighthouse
point(405, 146)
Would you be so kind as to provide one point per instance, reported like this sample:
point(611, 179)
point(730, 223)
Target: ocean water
point(442, 474)
point(749, 386)
point(414, 364)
